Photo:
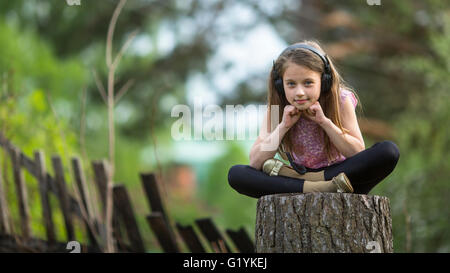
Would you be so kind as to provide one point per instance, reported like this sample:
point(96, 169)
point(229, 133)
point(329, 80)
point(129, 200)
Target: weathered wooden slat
point(63, 196)
point(241, 240)
point(30, 166)
point(190, 238)
point(153, 193)
point(4, 220)
point(155, 200)
point(212, 234)
point(88, 218)
point(117, 231)
point(21, 192)
point(125, 209)
point(5, 143)
point(50, 186)
point(4, 223)
point(159, 226)
point(80, 182)
point(101, 179)
point(43, 189)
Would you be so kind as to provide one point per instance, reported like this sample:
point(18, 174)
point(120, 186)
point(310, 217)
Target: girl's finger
point(310, 112)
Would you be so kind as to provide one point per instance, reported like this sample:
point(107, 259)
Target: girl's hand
point(290, 116)
point(315, 113)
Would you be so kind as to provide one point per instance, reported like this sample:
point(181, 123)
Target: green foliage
point(31, 74)
point(48, 52)
point(419, 189)
point(234, 210)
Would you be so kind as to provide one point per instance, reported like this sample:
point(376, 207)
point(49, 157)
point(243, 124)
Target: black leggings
point(365, 170)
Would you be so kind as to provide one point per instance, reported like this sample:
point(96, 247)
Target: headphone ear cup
point(326, 83)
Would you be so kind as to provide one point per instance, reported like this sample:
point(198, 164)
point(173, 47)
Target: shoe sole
point(348, 185)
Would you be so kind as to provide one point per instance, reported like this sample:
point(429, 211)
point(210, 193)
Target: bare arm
point(351, 143)
point(267, 143)
point(266, 148)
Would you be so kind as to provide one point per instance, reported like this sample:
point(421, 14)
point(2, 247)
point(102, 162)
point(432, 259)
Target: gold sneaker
point(342, 183)
point(272, 166)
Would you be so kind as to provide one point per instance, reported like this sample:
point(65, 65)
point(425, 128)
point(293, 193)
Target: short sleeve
point(347, 93)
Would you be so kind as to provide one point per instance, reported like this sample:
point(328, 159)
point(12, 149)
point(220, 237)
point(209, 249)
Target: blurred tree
point(33, 113)
point(235, 210)
point(362, 39)
point(395, 55)
point(419, 187)
point(160, 69)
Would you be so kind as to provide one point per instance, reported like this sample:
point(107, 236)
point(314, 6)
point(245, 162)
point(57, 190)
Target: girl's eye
point(290, 84)
point(308, 82)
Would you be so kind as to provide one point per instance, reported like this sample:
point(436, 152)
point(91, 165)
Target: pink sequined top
point(309, 147)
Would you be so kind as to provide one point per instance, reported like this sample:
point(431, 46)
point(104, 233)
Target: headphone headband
point(314, 50)
point(326, 78)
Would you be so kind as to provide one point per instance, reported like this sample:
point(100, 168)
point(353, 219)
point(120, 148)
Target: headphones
point(326, 79)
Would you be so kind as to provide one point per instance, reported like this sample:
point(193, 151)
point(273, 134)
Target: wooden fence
point(76, 205)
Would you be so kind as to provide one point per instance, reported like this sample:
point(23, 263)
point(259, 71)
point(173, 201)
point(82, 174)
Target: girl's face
point(301, 85)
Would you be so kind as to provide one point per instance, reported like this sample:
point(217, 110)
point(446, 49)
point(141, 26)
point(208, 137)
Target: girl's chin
point(302, 107)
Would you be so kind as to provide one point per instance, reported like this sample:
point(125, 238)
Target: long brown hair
point(329, 101)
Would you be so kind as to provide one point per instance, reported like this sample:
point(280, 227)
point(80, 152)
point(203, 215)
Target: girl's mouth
point(301, 101)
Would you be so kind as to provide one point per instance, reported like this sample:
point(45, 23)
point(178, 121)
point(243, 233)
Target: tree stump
point(323, 223)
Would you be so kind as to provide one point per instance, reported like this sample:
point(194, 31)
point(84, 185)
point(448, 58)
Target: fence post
point(190, 238)
point(213, 235)
point(80, 182)
point(86, 205)
point(63, 196)
point(4, 221)
point(101, 179)
point(159, 226)
point(241, 240)
point(153, 193)
point(123, 206)
point(21, 191)
point(155, 201)
point(43, 189)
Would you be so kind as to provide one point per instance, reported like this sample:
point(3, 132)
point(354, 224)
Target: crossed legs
point(365, 170)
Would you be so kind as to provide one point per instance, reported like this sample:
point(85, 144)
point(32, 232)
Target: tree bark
point(323, 223)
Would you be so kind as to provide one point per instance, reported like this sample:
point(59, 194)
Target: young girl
point(318, 133)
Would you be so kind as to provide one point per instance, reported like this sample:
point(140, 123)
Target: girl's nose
point(300, 92)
